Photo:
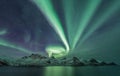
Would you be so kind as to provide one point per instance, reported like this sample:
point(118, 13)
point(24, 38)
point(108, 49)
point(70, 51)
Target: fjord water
point(61, 71)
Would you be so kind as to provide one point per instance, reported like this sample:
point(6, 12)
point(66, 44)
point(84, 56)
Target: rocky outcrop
point(2, 63)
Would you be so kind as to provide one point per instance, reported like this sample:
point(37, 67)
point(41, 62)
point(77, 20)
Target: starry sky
point(91, 28)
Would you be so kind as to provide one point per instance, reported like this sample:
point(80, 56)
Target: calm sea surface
point(61, 71)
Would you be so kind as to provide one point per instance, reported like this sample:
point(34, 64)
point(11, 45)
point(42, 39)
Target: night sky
point(90, 28)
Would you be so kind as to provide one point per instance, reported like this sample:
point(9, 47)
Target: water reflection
point(59, 71)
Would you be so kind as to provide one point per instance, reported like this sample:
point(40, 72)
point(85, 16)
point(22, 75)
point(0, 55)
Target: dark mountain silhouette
point(3, 63)
point(39, 60)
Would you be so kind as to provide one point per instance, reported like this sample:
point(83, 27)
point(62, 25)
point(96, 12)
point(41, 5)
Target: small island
point(36, 60)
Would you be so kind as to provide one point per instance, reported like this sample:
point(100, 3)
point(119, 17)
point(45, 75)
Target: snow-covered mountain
point(39, 60)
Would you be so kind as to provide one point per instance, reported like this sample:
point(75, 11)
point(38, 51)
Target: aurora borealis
point(56, 51)
point(81, 22)
point(85, 28)
point(53, 19)
point(3, 31)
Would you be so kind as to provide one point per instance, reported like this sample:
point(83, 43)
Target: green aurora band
point(56, 51)
point(48, 10)
point(14, 46)
point(68, 10)
point(3, 31)
point(82, 22)
point(77, 17)
point(82, 15)
point(106, 14)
